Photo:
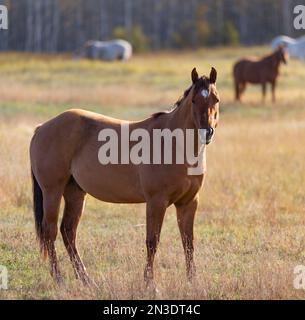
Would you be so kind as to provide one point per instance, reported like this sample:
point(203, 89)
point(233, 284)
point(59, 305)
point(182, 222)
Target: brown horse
point(258, 71)
point(64, 163)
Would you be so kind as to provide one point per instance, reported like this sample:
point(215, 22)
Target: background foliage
point(54, 26)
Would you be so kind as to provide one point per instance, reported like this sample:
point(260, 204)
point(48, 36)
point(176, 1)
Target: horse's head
point(282, 53)
point(205, 103)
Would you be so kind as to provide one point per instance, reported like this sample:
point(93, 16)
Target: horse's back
point(242, 68)
point(295, 47)
point(68, 145)
point(298, 49)
point(122, 49)
point(69, 129)
point(282, 40)
point(109, 50)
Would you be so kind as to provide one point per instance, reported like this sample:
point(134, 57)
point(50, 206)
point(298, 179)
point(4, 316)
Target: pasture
point(250, 224)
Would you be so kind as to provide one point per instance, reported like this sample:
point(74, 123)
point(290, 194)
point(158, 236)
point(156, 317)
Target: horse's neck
point(275, 61)
point(181, 116)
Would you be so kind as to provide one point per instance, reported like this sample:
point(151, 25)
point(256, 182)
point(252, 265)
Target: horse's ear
point(213, 75)
point(195, 76)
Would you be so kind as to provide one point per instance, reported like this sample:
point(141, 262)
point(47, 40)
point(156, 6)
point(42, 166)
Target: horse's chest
point(170, 184)
point(188, 188)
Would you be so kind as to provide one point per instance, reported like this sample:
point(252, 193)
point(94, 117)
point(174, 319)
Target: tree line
point(64, 25)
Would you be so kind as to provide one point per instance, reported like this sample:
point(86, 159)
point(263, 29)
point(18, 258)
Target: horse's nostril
point(210, 132)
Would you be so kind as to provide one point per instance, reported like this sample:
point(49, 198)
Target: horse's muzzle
point(206, 135)
point(209, 135)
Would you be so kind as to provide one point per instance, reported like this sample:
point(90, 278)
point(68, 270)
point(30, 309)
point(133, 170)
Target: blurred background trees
point(64, 25)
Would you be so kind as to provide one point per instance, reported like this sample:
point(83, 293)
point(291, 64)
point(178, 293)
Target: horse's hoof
point(58, 279)
point(152, 289)
point(88, 282)
point(191, 278)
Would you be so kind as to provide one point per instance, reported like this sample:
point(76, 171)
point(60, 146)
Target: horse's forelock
point(202, 83)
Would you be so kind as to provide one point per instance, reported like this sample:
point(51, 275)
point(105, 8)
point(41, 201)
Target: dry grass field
point(250, 226)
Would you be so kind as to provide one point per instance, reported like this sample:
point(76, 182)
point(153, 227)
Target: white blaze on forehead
point(205, 93)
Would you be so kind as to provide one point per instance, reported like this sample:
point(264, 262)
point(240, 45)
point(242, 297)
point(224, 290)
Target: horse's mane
point(200, 83)
point(270, 55)
point(176, 104)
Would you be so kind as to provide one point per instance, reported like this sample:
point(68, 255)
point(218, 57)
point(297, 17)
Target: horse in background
point(295, 47)
point(105, 50)
point(259, 71)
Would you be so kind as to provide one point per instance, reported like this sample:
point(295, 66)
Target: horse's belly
point(110, 183)
point(254, 80)
point(252, 75)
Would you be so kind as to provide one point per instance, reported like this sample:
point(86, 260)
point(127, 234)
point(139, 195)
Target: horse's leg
point(264, 90)
point(242, 88)
point(51, 204)
point(74, 204)
point(273, 85)
point(185, 216)
point(155, 210)
point(237, 95)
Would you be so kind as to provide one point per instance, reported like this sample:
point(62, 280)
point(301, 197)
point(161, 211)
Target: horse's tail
point(38, 213)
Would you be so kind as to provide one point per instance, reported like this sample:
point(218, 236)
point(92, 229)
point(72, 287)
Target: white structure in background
point(295, 47)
